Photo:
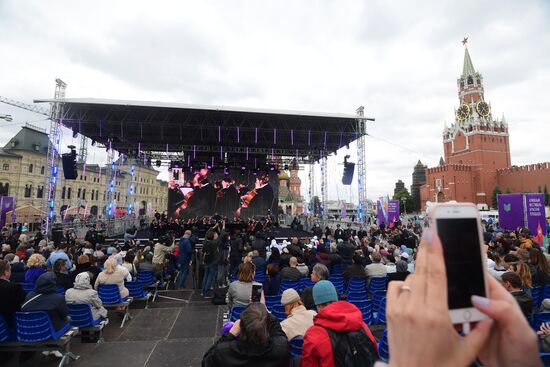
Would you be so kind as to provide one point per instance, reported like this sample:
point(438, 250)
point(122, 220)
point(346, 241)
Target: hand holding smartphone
point(459, 229)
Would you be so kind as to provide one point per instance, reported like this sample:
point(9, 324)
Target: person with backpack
point(338, 337)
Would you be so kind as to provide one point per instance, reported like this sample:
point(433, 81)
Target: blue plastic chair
point(376, 297)
point(137, 292)
point(380, 318)
point(306, 282)
point(110, 294)
point(337, 269)
point(296, 345)
point(384, 347)
point(366, 310)
point(235, 313)
point(279, 312)
point(147, 280)
point(338, 284)
point(81, 315)
point(537, 293)
point(287, 284)
point(377, 284)
point(233, 277)
point(357, 296)
point(357, 285)
point(60, 290)
point(5, 333)
point(271, 301)
point(34, 327)
point(27, 287)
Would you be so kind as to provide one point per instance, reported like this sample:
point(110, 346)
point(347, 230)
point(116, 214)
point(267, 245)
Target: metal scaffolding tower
point(324, 186)
point(312, 187)
point(361, 165)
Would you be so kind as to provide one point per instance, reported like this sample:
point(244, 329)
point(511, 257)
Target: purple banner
point(511, 213)
point(6, 205)
point(382, 211)
point(534, 208)
point(393, 212)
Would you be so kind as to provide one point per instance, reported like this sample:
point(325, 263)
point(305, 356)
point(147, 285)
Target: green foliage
point(406, 202)
point(496, 191)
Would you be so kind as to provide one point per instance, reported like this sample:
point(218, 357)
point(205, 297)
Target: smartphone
point(459, 228)
point(256, 292)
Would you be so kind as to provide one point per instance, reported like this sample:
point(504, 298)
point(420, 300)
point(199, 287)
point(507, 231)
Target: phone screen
point(460, 240)
point(256, 293)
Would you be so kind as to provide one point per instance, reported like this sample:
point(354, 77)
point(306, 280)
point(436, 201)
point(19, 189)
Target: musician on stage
point(257, 201)
point(227, 198)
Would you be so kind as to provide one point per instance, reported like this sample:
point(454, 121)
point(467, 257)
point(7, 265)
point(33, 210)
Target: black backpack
point(352, 348)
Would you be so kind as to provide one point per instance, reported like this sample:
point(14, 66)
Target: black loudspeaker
point(349, 168)
point(57, 236)
point(69, 166)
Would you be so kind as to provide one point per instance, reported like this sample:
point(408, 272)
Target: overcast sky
point(400, 59)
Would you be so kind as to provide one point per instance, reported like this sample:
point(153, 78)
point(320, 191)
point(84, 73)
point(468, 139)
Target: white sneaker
point(57, 354)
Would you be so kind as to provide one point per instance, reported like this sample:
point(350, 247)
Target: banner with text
point(534, 208)
point(511, 212)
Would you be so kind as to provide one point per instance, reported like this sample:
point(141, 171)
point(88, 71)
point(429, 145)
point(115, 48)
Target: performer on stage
point(258, 201)
point(227, 198)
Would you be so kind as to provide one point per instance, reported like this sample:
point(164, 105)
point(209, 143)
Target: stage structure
point(197, 136)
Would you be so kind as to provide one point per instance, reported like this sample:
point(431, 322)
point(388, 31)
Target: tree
point(546, 195)
point(539, 190)
point(496, 191)
point(406, 202)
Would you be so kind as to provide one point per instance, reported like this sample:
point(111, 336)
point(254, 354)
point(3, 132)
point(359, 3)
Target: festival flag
point(539, 238)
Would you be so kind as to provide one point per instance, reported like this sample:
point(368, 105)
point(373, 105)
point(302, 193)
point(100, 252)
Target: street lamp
point(404, 201)
point(8, 118)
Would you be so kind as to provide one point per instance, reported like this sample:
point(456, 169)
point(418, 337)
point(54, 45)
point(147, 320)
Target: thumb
point(478, 337)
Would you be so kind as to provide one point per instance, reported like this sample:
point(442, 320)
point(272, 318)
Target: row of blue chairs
point(539, 293)
point(29, 287)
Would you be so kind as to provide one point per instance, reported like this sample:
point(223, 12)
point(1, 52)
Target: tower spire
point(468, 68)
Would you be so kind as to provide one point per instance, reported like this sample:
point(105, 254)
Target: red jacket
point(338, 316)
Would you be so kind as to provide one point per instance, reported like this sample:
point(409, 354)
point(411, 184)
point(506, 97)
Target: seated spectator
point(146, 265)
point(302, 267)
point(84, 293)
point(258, 261)
point(290, 272)
point(520, 268)
point(273, 281)
point(275, 257)
point(113, 274)
point(166, 245)
point(45, 298)
point(17, 268)
point(356, 270)
point(334, 319)
point(11, 294)
point(36, 267)
point(401, 273)
point(240, 291)
point(376, 269)
point(390, 264)
point(129, 263)
point(60, 253)
point(61, 277)
point(285, 258)
point(84, 264)
point(512, 282)
point(319, 272)
point(539, 267)
point(298, 318)
point(262, 342)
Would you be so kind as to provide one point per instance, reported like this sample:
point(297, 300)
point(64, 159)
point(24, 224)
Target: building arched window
point(93, 192)
point(84, 194)
point(470, 80)
point(69, 193)
point(30, 168)
point(63, 192)
point(28, 191)
point(40, 192)
point(42, 170)
point(4, 189)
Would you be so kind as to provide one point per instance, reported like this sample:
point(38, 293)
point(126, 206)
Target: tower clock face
point(482, 108)
point(463, 112)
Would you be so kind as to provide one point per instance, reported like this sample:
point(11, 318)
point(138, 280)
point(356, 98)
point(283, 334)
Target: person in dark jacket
point(273, 281)
point(401, 271)
point(259, 244)
point(512, 282)
point(11, 294)
point(346, 250)
point(258, 261)
point(184, 257)
point(356, 270)
point(17, 268)
point(319, 272)
point(84, 264)
point(262, 342)
point(290, 272)
point(45, 298)
point(211, 256)
point(62, 278)
point(236, 251)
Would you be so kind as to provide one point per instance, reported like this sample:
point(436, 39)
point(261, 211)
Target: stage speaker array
point(347, 177)
point(69, 165)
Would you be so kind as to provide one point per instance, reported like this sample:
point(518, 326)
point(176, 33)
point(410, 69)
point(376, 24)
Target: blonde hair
point(110, 265)
point(291, 306)
point(36, 261)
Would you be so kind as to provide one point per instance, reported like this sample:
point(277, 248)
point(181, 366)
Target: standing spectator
point(512, 282)
point(290, 272)
point(84, 293)
point(262, 342)
point(36, 267)
point(319, 272)
point(299, 319)
point(338, 233)
point(60, 253)
point(259, 244)
point(236, 253)
point(339, 320)
point(113, 274)
point(184, 257)
point(45, 298)
point(211, 257)
point(11, 294)
point(165, 246)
